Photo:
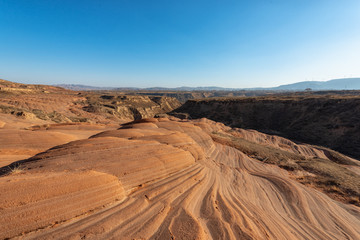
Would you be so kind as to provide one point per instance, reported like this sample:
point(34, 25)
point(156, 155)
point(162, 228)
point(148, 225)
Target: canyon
point(106, 165)
point(331, 120)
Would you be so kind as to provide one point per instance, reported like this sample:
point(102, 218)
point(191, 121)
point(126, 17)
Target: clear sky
point(171, 43)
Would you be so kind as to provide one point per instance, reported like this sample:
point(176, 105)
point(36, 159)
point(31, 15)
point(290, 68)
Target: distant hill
point(184, 88)
point(336, 84)
point(79, 87)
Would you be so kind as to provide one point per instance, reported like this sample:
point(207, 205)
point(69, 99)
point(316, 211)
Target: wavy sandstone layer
point(166, 179)
point(21, 139)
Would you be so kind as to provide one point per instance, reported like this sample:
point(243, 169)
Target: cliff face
point(328, 121)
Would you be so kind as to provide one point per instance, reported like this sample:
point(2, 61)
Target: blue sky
point(133, 43)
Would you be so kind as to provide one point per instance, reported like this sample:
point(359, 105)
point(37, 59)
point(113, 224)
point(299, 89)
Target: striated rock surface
point(168, 179)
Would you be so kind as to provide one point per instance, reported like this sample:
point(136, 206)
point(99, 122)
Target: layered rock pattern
point(166, 179)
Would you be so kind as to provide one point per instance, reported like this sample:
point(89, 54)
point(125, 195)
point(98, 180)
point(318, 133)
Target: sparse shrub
point(15, 168)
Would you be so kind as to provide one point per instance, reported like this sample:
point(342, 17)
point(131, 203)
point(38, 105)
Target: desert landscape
point(179, 120)
point(76, 170)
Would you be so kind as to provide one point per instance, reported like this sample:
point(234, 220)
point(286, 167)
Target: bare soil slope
point(168, 179)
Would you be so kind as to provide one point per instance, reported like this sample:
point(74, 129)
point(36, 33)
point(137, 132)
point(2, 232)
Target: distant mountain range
point(336, 84)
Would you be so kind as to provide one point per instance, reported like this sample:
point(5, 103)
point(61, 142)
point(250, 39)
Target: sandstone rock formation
point(167, 179)
point(22, 138)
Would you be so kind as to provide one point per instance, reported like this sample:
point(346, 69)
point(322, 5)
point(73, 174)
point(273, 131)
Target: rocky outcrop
point(331, 121)
point(63, 106)
point(129, 107)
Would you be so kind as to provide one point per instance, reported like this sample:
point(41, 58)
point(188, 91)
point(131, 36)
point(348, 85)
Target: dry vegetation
point(15, 168)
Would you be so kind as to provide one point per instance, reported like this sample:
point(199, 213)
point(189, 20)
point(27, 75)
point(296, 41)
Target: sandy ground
point(164, 179)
